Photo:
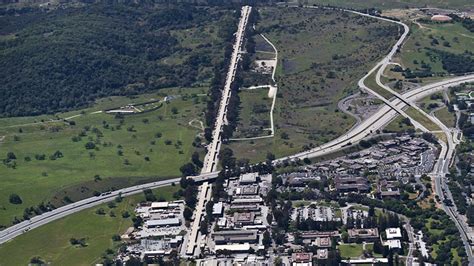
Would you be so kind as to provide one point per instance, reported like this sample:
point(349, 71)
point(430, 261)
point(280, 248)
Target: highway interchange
point(387, 113)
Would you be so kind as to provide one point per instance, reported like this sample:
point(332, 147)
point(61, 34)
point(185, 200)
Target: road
point(212, 155)
point(47, 217)
point(378, 120)
point(368, 127)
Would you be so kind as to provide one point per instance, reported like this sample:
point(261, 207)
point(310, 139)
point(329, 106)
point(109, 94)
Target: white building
point(393, 233)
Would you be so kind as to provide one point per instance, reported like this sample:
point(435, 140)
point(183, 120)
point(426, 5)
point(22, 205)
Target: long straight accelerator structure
point(211, 158)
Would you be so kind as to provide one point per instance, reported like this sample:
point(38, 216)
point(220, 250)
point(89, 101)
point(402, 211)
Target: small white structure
point(441, 18)
point(234, 247)
point(218, 209)
point(393, 244)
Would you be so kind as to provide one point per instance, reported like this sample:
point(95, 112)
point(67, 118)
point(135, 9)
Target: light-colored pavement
point(212, 155)
point(47, 217)
point(367, 127)
point(211, 158)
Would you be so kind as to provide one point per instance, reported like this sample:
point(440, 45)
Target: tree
point(188, 169)
point(345, 237)
point(188, 214)
point(204, 227)
point(36, 260)
point(267, 240)
point(15, 199)
point(116, 237)
point(90, 145)
point(11, 156)
point(196, 160)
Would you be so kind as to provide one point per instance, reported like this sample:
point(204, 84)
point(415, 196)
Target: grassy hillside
point(127, 150)
point(66, 58)
point(389, 4)
point(322, 55)
point(51, 242)
point(422, 51)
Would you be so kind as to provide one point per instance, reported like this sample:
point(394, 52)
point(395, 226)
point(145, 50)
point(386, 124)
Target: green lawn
point(351, 250)
point(423, 120)
point(447, 118)
point(397, 125)
point(144, 155)
point(254, 116)
point(51, 242)
point(414, 51)
point(371, 83)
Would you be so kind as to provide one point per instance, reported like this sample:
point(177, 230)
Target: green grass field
point(51, 242)
point(414, 51)
point(322, 55)
point(254, 118)
point(447, 118)
point(371, 83)
point(423, 120)
point(143, 154)
point(351, 250)
point(397, 125)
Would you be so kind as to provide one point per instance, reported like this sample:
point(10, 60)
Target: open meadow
point(322, 55)
point(51, 243)
point(65, 161)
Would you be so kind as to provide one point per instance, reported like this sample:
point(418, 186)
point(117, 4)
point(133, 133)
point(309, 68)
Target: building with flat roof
point(346, 184)
point(162, 223)
point(248, 178)
point(369, 234)
point(393, 244)
point(233, 247)
point(393, 233)
point(302, 259)
point(159, 205)
point(235, 236)
point(244, 218)
point(322, 254)
point(218, 209)
point(250, 200)
point(247, 190)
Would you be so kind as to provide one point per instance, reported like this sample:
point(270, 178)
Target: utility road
point(212, 156)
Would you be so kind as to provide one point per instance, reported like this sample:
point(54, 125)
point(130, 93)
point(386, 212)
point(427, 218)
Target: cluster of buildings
point(160, 235)
point(393, 161)
point(239, 222)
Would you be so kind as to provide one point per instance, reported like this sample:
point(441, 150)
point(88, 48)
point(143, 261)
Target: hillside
point(57, 60)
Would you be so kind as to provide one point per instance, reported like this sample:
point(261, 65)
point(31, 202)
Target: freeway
point(47, 217)
point(378, 120)
point(368, 127)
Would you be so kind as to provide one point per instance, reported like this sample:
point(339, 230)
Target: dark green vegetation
point(60, 162)
point(66, 58)
point(85, 238)
point(389, 4)
point(322, 54)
